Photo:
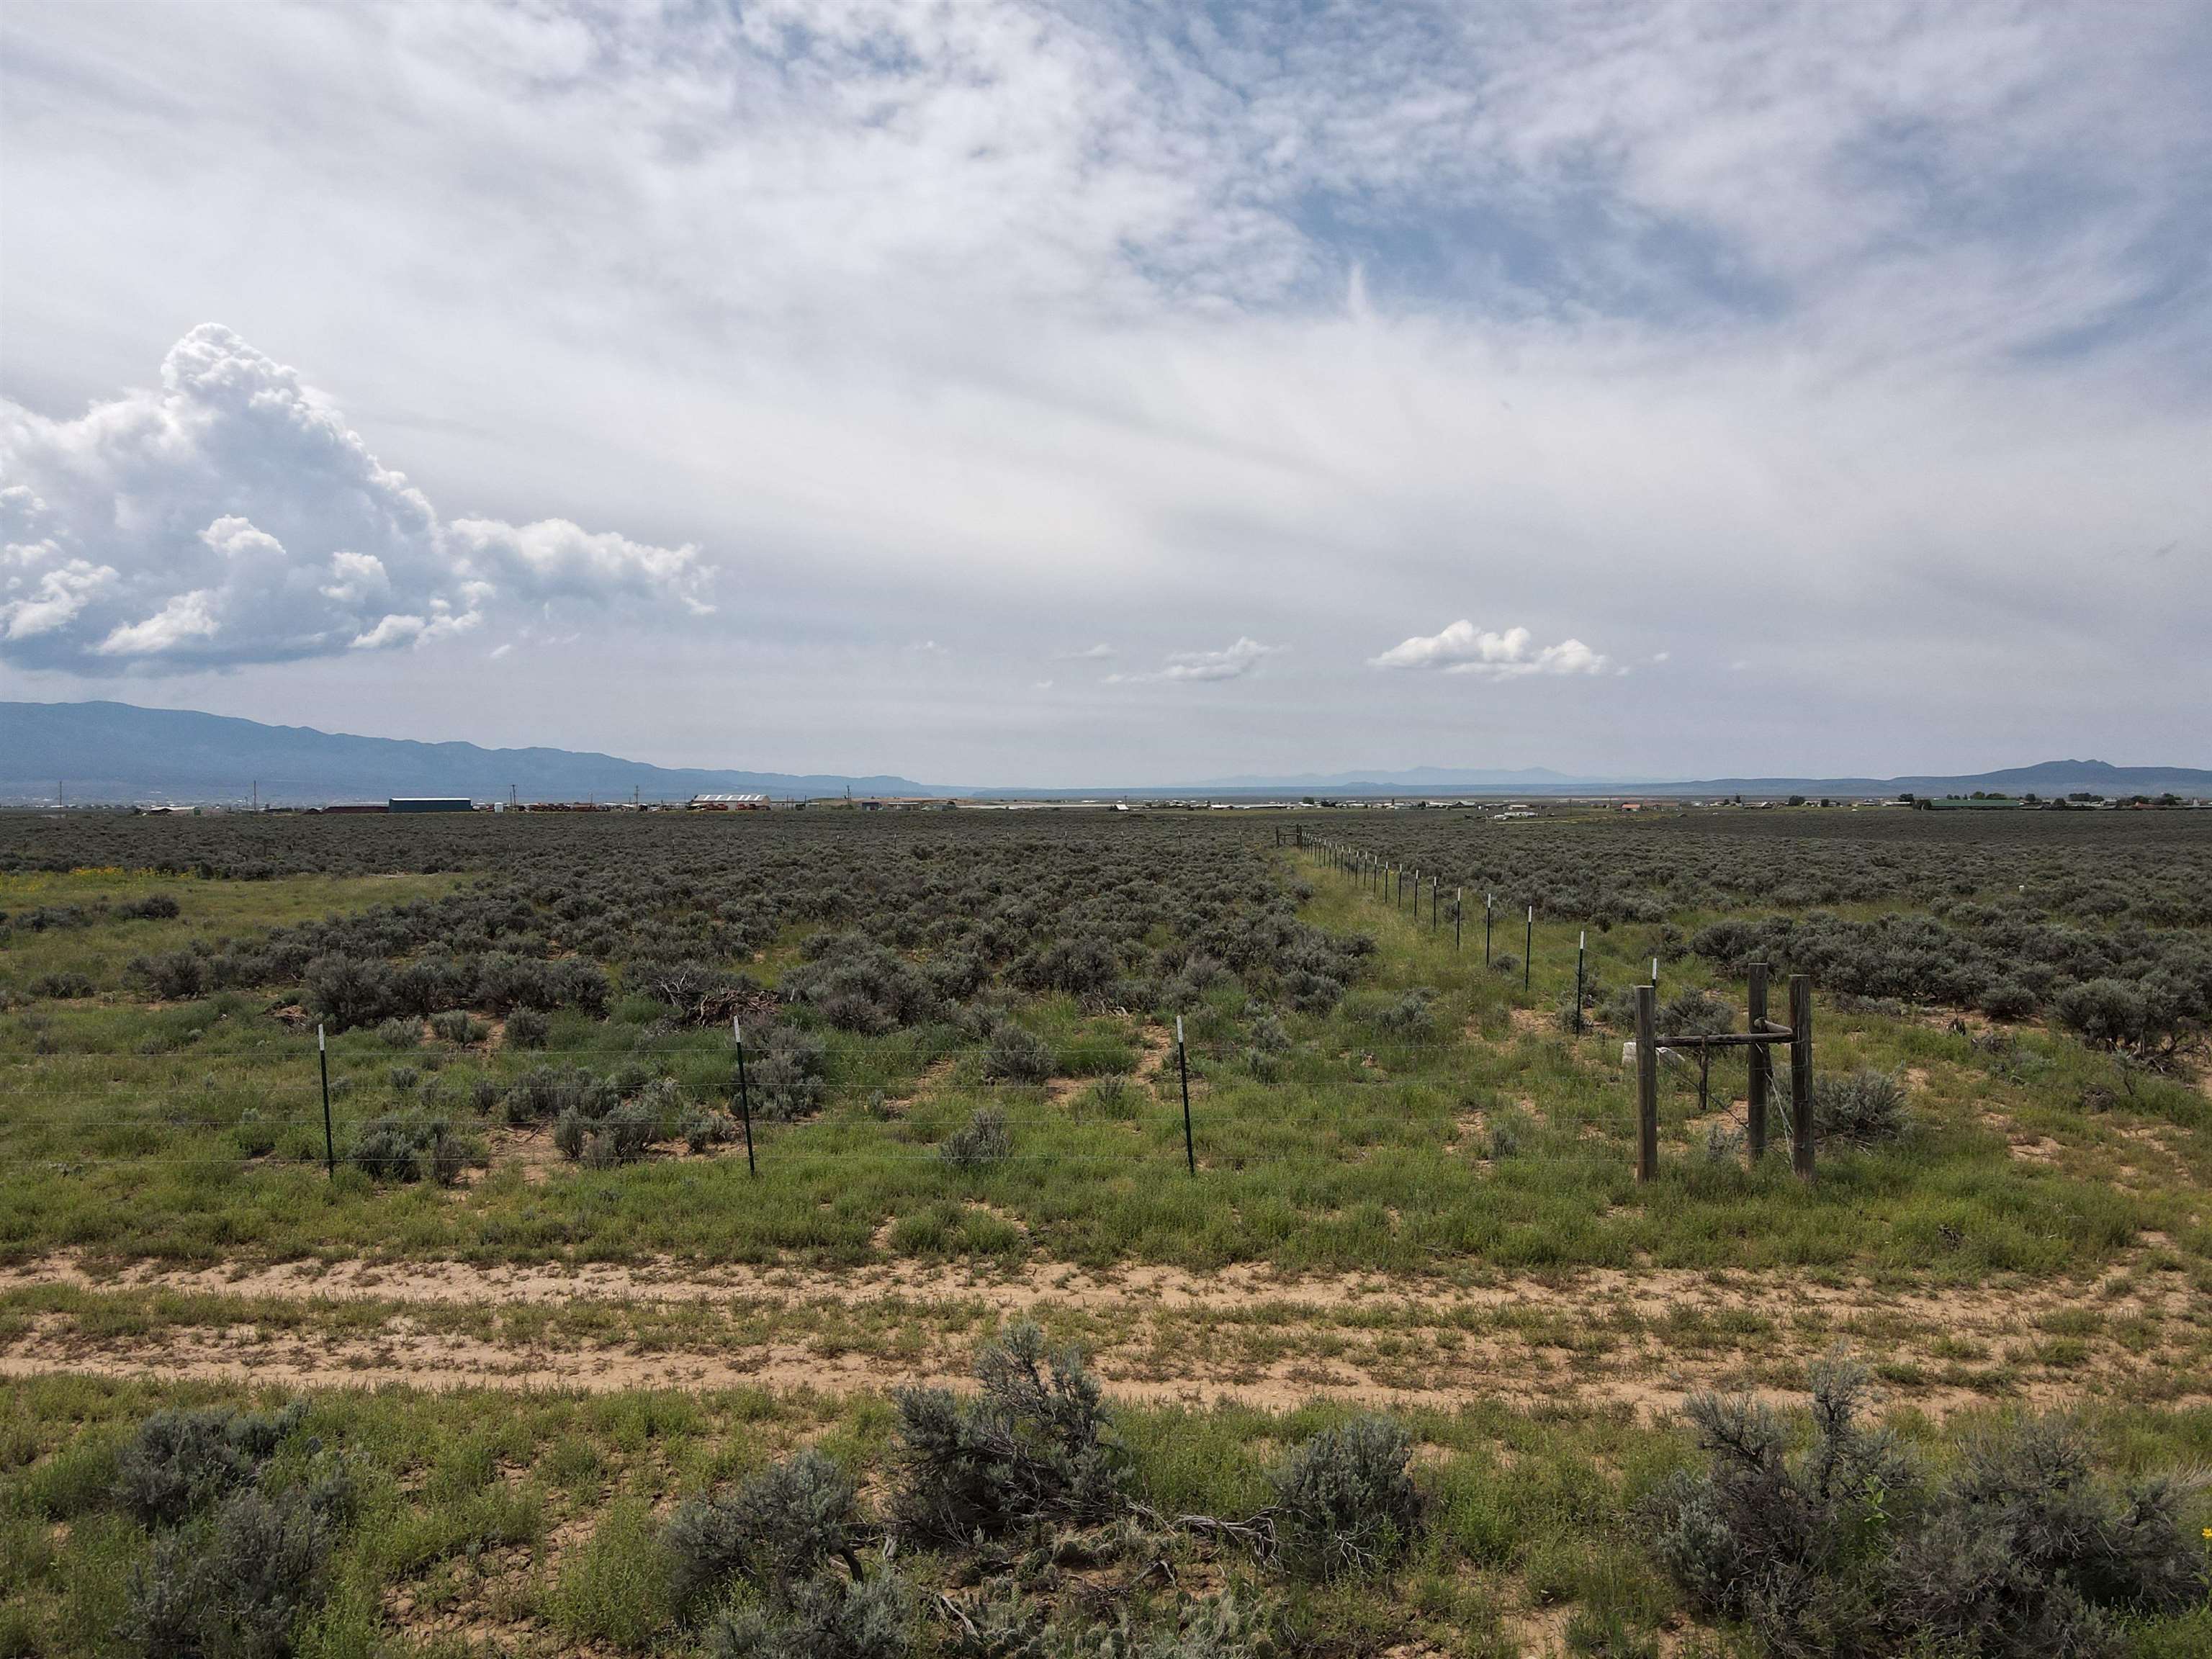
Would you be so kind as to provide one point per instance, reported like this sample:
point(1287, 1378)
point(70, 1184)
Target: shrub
point(1779, 1545)
point(550, 1091)
point(828, 1616)
point(1221, 1626)
point(1848, 1548)
point(154, 907)
point(2006, 1002)
point(399, 1032)
point(238, 1592)
point(859, 986)
point(2025, 1552)
point(1862, 1109)
point(1505, 963)
point(174, 976)
point(180, 1460)
point(1508, 1131)
point(1017, 1054)
point(776, 1530)
point(785, 1082)
point(1409, 1017)
point(1344, 1501)
point(458, 1025)
point(414, 1149)
point(1692, 1013)
point(346, 991)
point(1110, 1094)
point(693, 993)
point(526, 1028)
point(1618, 1008)
point(1034, 1446)
point(981, 1142)
point(703, 1129)
point(603, 1130)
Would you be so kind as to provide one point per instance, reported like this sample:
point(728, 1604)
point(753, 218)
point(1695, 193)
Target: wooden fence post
point(1801, 1075)
point(1760, 1058)
point(1647, 1084)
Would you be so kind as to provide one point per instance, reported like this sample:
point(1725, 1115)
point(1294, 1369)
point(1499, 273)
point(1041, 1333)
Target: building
point(430, 804)
point(728, 803)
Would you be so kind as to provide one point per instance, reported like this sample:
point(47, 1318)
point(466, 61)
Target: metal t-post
point(1182, 1068)
point(330, 1146)
point(744, 1098)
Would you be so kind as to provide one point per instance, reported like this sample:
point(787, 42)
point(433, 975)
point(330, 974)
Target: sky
point(1054, 394)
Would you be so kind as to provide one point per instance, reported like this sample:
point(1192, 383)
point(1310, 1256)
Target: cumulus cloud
point(232, 516)
point(1232, 663)
point(1098, 653)
point(1462, 648)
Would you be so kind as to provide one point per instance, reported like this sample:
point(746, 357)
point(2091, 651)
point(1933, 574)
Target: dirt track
point(1643, 1340)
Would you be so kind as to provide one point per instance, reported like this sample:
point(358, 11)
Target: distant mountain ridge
point(119, 751)
point(1417, 777)
point(2045, 778)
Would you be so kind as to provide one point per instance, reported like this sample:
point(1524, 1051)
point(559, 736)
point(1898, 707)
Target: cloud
point(1234, 662)
point(1043, 319)
point(1462, 648)
point(1099, 653)
point(232, 516)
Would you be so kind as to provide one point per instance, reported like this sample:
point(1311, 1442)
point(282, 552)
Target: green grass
point(533, 1518)
point(194, 1132)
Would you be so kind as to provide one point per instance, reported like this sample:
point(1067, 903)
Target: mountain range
point(119, 751)
point(115, 752)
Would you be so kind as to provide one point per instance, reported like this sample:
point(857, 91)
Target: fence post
point(330, 1145)
point(1528, 951)
point(1486, 930)
point(1801, 1075)
point(1182, 1070)
point(1581, 943)
point(1459, 903)
point(1647, 1084)
point(1762, 1066)
point(744, 1098)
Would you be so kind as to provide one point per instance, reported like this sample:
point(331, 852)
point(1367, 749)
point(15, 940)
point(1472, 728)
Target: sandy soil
point(1643, 1340)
